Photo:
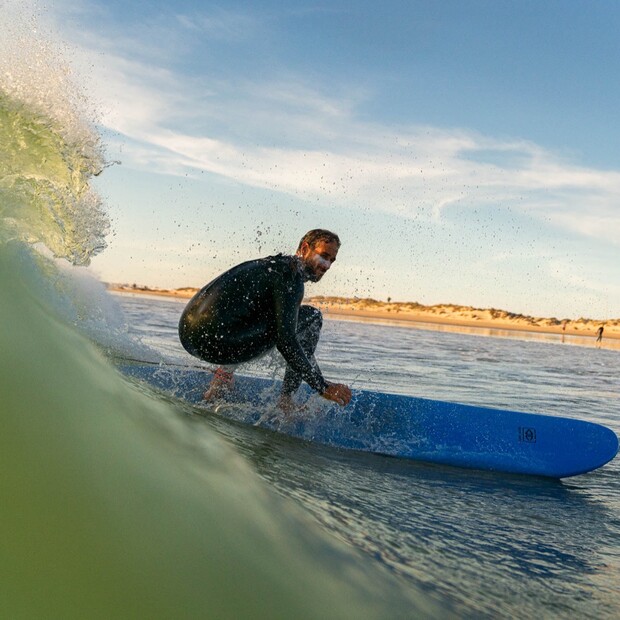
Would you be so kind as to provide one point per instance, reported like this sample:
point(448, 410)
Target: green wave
point(45, 174)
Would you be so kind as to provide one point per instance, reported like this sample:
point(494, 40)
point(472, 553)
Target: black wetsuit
point(250, 309)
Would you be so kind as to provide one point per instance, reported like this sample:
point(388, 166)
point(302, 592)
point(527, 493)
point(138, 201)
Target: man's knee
point(310, 316)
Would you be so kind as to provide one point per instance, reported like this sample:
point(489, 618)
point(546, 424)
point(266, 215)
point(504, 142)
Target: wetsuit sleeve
point(287, 298)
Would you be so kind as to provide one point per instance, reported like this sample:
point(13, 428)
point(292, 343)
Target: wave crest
point(49, 152)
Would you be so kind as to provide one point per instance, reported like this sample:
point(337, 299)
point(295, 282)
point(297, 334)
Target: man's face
point(318, 258)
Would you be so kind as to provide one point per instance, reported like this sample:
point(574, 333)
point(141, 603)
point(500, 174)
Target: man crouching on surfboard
point(256, 306)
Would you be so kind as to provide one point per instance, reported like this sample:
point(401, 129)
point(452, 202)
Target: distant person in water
point(599, 335)
point(255, 307)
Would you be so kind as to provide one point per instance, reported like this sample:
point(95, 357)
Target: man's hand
point(337, 392)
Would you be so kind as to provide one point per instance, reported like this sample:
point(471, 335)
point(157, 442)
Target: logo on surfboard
point(527, 435)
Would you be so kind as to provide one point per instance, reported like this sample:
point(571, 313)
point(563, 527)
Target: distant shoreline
point(410, 312)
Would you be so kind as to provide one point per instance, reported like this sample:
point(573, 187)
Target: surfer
point(256, 306)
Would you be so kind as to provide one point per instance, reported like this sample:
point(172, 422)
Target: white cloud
point(221, 24)
point(288, 135)
point(430, 174)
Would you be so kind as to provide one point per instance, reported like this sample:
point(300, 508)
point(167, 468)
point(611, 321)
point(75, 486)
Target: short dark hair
point(312, 237)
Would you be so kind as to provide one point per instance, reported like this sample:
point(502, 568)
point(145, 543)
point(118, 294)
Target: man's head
point(317, 251)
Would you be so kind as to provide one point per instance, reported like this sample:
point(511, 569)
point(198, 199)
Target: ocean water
point(479, 544)
point(118, 502)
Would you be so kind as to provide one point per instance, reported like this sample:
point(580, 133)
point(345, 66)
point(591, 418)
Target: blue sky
point(466, 152)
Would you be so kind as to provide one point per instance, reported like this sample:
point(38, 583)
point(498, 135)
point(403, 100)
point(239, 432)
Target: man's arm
point(287, 296)
point(287, 299)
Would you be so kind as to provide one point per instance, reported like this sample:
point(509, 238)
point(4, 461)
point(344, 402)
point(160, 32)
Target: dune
point(413, 312)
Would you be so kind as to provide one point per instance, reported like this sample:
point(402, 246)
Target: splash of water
point(49, 150)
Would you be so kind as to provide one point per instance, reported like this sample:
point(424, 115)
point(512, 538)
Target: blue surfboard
point(406, 426)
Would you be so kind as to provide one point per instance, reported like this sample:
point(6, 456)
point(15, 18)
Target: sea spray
point(44, 192)
point(49, 153)
point(49, 150)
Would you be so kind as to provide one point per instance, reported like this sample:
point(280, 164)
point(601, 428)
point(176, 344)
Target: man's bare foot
point(288, 405)
point(221, 384)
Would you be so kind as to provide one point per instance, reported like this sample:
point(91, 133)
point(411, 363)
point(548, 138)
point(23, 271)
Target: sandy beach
point(411, 312)
point(464, 316)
